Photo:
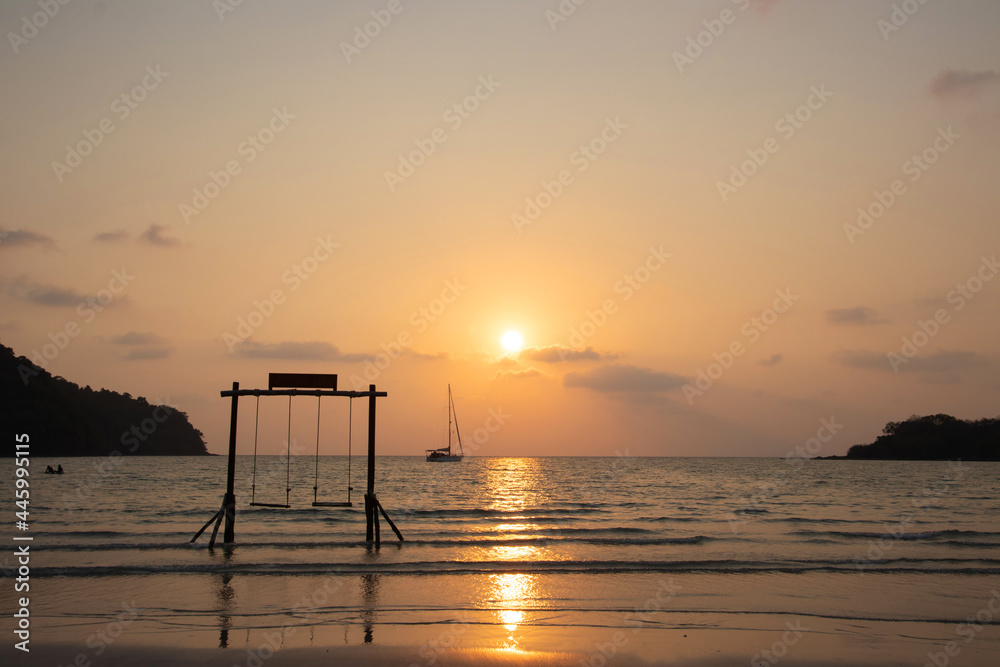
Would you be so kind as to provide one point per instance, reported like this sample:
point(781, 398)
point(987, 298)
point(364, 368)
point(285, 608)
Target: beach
point(550, 561)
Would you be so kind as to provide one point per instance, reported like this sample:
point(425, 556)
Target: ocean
point(511, 553)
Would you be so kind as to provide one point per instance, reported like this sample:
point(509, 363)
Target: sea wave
point(902, 565)
point(929, 535)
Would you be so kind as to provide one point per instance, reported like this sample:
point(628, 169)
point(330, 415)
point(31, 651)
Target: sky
point(720, 228)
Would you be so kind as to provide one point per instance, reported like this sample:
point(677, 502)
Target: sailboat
point(444, 453)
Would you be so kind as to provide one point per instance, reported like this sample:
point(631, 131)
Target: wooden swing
point(288, 459)
point(298, 384)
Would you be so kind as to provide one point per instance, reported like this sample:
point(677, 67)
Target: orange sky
point(661, 197)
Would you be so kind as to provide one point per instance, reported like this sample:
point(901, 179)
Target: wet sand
point(827, 642)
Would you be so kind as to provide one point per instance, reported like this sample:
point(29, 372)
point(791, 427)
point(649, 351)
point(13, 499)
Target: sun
point(512, 341)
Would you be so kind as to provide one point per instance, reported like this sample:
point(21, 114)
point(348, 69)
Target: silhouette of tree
point(64, 419)
point(934, 437)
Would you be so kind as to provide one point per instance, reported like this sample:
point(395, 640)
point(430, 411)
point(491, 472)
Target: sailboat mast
point(449, 420)
point(458, 433)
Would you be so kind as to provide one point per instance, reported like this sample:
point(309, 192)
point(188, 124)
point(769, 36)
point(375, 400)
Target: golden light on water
point(510, 618)
point(511, 490)
point(513, 486)
point(509, 594)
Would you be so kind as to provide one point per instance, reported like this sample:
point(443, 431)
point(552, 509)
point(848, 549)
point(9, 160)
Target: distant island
point(932, 438)
point(64, 419)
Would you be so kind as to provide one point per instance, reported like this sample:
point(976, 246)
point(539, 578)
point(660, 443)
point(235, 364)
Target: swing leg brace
point(205, 527)
point(227, 512)
point(388, 520)
point(372, 509)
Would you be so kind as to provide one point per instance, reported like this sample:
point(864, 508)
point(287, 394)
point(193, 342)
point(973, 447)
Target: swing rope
point(288, 456)
point(319, 407)
point(350, 432)
point(253, 483)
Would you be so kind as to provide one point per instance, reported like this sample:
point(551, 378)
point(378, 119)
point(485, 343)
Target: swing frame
point(291, 385)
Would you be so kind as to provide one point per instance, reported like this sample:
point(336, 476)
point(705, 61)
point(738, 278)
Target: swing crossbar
point(320, 503)
point(270, 505)
point(228, 393)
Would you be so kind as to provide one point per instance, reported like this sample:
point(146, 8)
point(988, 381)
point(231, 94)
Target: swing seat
point(270, 505)
point(320, 503)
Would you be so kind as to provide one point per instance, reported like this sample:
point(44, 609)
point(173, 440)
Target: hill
point(64, 419)
point(932, 438)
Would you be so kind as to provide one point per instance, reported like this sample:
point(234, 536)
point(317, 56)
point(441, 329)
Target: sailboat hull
point(444, 458)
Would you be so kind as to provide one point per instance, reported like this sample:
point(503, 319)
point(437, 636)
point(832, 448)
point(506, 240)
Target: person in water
point(49, 469)
point(60, 470)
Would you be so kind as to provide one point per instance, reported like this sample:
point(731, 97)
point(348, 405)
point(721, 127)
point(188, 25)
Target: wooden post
point(370, 494)
point(229, 502)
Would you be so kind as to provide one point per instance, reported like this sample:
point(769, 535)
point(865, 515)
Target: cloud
point(953, 83)
point(147, 353)
point(553, 354)
point(621, 378)
point(137, 338)
point(427, 356)
point(116, 236)
point(154, 236)
point(773, 361)
point(23, 238)
point(506, 361)
point(940, 361)
point(46, 295)
point(517, 375)
point(857, 315)
point(313, 350)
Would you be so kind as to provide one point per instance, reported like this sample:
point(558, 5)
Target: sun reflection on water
point(508, 594)
point(512, 491)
